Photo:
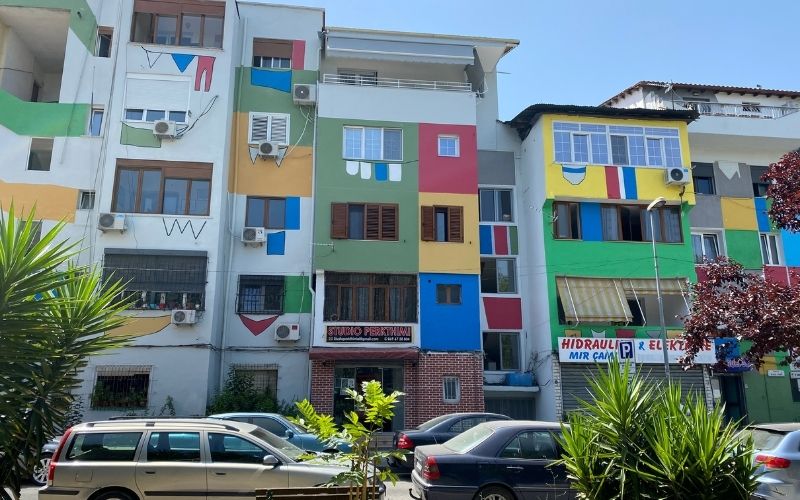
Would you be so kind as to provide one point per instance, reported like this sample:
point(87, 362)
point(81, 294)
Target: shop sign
point(794, 374)
point(776, 373)
point(586, 350)
point(728, 349)
point(368, 333)
point(650, 351)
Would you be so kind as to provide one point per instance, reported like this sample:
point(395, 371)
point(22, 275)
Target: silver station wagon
point(164, 459)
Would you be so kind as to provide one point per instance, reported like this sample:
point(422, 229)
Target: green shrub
point(240, 395)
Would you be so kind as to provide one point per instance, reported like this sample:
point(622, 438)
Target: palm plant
point(54, 315)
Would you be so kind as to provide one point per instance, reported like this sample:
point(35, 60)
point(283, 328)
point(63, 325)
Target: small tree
point(784, 191)
point(372, 409)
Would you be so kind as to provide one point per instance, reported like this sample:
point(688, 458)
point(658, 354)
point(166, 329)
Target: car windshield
point(297, 427)
point(432, 422)
point(469, 439)
point(764, 439)
point(283, 445)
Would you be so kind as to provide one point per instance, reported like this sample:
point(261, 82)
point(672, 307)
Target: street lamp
point(651, 208)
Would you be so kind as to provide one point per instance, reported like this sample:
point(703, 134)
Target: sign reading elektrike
point(367, 333)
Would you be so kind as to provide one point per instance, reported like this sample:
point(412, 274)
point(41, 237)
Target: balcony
point(739, 110)
point(399, 83)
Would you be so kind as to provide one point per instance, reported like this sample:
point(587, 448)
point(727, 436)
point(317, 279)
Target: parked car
point(282, 427)
point(499, 460)
point(778, 455)
point(153, 458)
point(39, 473)
point(436, 430)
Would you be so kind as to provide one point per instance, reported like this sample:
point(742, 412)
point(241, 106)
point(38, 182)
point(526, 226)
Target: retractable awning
point(593, 300)
point(669, 286)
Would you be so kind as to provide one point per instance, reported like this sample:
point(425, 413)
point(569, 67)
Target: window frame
point(267, 200)
point(773, 243)
point(380, 207)
point(362, 156)
point(146, 111)
point(31, 151)
point(272, 60)
point(455, 382)
point(456, 142)
point(500, 336)
point(589, 130)
point(270, 123)
point(643, 215)
point(717, 244)
point(190, 171)
point(448, 289)
point(570, 205)
point(104, 31)
point(108, 371)
point(496, 192)
point(497, 277)
point(371, 287)
point(178, 11)
point(90, 131)
point(88, 193)
point(252, 280)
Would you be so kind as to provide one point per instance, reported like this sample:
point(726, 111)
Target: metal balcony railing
point(739, 110)
point(400, 83)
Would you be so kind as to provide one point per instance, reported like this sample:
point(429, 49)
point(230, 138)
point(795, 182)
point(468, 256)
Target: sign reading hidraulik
point(586, 350)
point(364, 333)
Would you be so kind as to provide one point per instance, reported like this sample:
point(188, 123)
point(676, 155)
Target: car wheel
point(494, 493)
point(114, 495)
point(39, 473)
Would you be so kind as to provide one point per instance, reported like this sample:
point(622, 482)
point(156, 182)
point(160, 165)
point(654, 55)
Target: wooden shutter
point(372, 214)
point(268, 47)
point(389, 222)
point(427, 218)
point(455, 222)
point(339, 221)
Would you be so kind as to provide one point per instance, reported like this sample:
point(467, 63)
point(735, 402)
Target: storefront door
point(351, 376)
point(732, 395)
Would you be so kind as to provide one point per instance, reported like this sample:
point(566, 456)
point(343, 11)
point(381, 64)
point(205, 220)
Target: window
point(86, 200)
point(619, 150)
point(370, 143)
point(200, 24)
point(357, 77)
point(644, 146)
point(371, 297)
point(162, 280)
point(498, 276)
point(104, 36)
point(270, 425)
point(272, 54)
point(759, 186)
point(162, 187)
point(632, 223)
point(531, 445)
point(567, 221)
point(272, 127)
point(121, 387)
point(451, 388)
point(96, 122)
point(448, 294)
point(263, 377)
point(260, 294)
point(468, 423)
point(445, 224)
point(751, 107)
point(40, 155)
point(173, 447)
point(449, 145)
point(705, 246)
point(495, 205)
point(360, 221)
point(269, 213)
point(151, 115)
point(500, 351)
point(703, 177)
point(225, 448)
point(770, 254)
point(104, 447)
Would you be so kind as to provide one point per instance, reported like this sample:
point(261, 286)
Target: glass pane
point(491, 350)
point(255, 212)
point(487, 205)
point(105, 447)
point(409, 304)
point(599, 149)
point(393, 144)
point(619, 149)
point(233, 449)
point(96, 122)
point(331, 303)
point(142, 27)
point(441, 294)
point(352, 142)
point(155, 114)
point(379, 304)
point(562, 221)
point(175, 196)
point(212, 32)
point(395, 304)
point(710, 246)
point(488, 276)
point(672, 225)
point(656, 218)
point(277, 214)
point(697, 247)
point(134, 114)
point(355, 223)
point(199, 197)
point(504, 205)
point(610, 223)
point(654, 152)
point(630, 217)
point(372, 143)
point(441, 224)
point(773, 250)
point(580, 148)
point(127, 184)
point(173, 447)
point(151, 189)
point(455, 294)
point(510, 351)
point(166, 27)
point(636, 148)
point(505, 276)
point(575, 220)
point(177, 116)
point(362, 304)
point(190, 30)
point(764, 249)
point(346, 304)
point(104, 45)
point(672, 150)
point(563, 149)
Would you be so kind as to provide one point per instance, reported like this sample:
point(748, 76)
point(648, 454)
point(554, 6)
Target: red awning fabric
point(361, 353)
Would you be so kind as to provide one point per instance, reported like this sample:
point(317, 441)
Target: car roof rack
point(151, 421)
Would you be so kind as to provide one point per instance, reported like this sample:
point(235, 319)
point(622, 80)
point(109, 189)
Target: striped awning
point(669, 286)
point(593, 300)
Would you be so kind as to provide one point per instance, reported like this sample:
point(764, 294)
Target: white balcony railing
point(739, 110)
point(400, 83)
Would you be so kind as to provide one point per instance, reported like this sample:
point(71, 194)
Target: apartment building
point(738, 133)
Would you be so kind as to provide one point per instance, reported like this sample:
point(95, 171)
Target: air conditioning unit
point(111, 222)
point(289, 331)
point(678, 175)
point(164, 128)
point(304, 93)
point(184, 317)
point(253, 235)
point(268, 149)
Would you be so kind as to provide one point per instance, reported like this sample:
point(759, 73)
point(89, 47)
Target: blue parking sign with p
point(625, 349)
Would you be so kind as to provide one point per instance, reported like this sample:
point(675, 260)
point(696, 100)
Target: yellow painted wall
point(52, 202)
point(739, 213)
point(265, 178)
point(649, 181)
point(457, 258)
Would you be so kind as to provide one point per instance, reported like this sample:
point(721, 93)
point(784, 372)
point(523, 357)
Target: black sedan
point(502, 460)
point(434, 431)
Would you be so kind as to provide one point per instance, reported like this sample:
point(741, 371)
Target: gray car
point(778, 455)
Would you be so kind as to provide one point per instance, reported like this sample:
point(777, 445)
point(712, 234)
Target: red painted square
point(444, 174)
point(502, 312)
point(298, 54)
point(624, 333)
point(778, 274)
point(794, 275)
point(500, 240)
point(701, 273)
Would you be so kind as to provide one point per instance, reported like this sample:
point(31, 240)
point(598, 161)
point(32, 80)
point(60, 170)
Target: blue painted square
point(276, 243)
point(591, 226)
point(485, 233)
point(449, 327)
point(272, 79)
point(292, 215)
point(761, 215)
point(381, 172)
point(791, 248)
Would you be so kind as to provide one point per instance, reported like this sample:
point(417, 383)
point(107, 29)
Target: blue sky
point(585, 51)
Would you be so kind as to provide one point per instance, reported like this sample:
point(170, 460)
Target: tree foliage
point(240, 394)
point(731, 302)
point(784, 191)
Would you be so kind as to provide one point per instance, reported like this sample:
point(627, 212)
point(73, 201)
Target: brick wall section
point(322, 385)
point(424, 389)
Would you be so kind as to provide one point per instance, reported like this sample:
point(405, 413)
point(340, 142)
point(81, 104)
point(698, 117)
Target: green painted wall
point(333, 184)
point(42, 119)
point(255, 98)
point(603, 259)
point(81, 18)
point(297, 298)
point(142, 137)
point(744, 247)
point(769, 399)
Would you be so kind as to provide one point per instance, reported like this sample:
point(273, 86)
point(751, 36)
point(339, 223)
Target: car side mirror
point(289, 434)
point(270, 461)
